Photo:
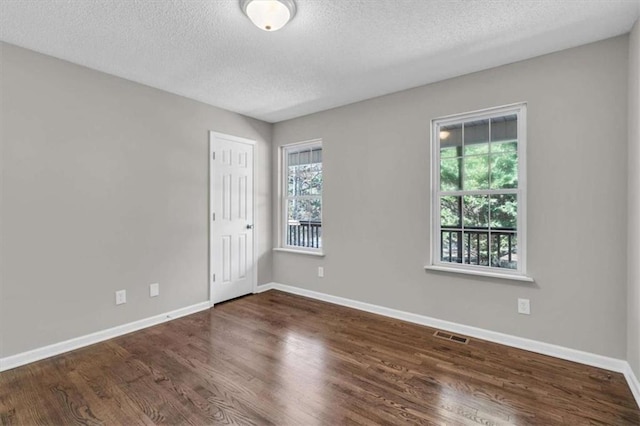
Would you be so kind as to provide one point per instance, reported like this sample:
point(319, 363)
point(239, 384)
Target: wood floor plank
point(280, 359)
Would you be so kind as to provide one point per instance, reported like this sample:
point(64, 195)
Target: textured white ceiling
point(333, 52)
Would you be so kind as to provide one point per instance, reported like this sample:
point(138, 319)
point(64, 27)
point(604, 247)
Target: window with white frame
point(302, 196)
point(478, 192)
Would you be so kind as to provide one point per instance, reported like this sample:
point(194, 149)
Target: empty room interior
point(320, 212)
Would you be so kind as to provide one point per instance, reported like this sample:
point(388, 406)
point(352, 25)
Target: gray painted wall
point(105, 187)
point(376, 200)
point(633, 263)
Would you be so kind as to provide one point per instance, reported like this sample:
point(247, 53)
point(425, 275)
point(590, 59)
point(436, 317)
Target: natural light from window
point(478, 191)
point(302, 196)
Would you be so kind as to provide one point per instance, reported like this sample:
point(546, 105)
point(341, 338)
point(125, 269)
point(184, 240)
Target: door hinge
point(214, 155)
point(214, 277)
point(213, 216)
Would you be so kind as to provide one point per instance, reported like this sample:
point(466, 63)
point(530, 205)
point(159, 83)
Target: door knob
point(249, 226)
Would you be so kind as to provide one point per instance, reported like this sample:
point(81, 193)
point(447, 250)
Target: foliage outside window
point(302, 196)
point(479, 191)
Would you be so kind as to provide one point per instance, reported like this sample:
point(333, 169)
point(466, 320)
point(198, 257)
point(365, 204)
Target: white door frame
point(212, 136)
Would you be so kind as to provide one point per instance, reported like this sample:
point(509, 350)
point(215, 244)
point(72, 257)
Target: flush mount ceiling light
point(269, 15)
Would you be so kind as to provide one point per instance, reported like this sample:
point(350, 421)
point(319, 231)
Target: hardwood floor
point(276, 358)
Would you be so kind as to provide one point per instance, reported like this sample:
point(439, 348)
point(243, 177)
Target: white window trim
point(282, 210)
point(299, 251)
point(520, 274)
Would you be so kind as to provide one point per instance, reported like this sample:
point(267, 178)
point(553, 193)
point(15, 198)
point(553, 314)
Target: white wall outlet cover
point(524, 306)
point(154, 289)
point(121, 297)
point(320, 271)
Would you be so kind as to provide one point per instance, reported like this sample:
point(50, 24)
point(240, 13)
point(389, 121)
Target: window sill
point(479, 273)
point(308, 253)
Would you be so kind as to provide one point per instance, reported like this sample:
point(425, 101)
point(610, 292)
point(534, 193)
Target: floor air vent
point(448, 336)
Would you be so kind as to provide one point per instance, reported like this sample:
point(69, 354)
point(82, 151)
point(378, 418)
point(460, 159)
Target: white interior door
point(231, 239)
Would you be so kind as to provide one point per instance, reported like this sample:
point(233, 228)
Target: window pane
point(315, 210)
point(304, 174)
point(450, 212)
point(451, 141)
point(476, 211)
point(292, 170)
point(304, 226)
point(309, 179)
point(476, 137)
point(476, 172)
point(476, 149)
point(451, 250)
point(504, 171)
point(306, 210)
point(449, 152)
point(504, 211)
point(302, 156)
point(504, 128)
point(298, 210)
point(504, 250)
point(476, 247)
point(450, 174)
point(498, 147)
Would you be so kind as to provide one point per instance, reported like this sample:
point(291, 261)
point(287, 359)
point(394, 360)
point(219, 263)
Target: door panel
point(232, 260)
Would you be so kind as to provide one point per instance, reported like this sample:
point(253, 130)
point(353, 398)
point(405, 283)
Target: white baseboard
point(633, 382)
point(38, 354)
point(600, 361)
point(266, 287)
point(561, 352)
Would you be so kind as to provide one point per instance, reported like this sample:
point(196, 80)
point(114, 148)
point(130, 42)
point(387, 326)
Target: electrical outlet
point(524, 306)
point(154, 289)
point(121, 297)
point(320, 271)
